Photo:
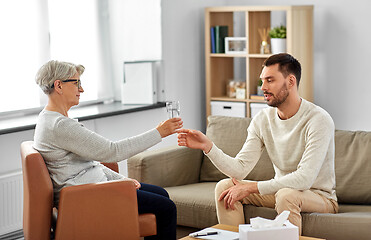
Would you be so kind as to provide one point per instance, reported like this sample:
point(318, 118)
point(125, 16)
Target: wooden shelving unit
point(220, 67)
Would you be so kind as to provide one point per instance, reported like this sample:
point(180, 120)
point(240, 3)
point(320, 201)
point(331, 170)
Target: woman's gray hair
point(56, 70)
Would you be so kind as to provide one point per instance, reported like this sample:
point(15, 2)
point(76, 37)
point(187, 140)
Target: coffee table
point(235, 229)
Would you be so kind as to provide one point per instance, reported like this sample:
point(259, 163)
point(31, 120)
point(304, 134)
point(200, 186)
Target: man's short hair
point(287, 64)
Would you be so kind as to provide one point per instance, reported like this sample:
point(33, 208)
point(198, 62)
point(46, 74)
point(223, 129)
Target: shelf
point(227, 99)
point(256, 97)
point(245, 21)
point(256, 101)
point(227, 55)
point(258, 55)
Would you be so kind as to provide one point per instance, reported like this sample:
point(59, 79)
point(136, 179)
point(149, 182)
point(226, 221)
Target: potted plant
point(259, 88)
point(278, 39)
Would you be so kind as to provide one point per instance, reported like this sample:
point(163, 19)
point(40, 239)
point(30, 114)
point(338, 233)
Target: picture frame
point(235, 45)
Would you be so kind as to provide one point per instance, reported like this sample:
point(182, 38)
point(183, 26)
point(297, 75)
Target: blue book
point(212, 33)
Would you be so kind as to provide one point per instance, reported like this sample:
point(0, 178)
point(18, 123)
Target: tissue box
point(287, 232)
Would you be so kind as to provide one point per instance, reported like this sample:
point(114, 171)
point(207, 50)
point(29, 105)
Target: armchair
point(91, 211)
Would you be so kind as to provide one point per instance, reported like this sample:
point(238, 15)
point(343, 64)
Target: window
point(99, 34)
point(74, 37)
point(20, 47)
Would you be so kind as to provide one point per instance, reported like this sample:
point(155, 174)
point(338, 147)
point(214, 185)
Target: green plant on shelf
point(259, 90)
point(278, 32)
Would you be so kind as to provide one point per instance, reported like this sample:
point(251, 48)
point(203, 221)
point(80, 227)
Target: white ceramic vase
point(278, 45)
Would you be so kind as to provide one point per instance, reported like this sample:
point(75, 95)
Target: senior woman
point(73, 153)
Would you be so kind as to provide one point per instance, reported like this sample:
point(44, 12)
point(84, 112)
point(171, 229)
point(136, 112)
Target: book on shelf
point(221, 32)
point(256, 97)
point(212, 37)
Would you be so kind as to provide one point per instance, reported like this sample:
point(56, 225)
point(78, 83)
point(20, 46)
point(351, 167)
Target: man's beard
point(280, 98)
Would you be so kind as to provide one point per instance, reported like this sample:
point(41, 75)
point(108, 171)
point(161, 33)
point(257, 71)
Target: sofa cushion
point(340, 226)
point(353, 166)
point(343, 208)
point(230, 140)
point(195, 204)
point(352, 222)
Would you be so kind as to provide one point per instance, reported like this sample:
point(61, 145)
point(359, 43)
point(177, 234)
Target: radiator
point(11, 202)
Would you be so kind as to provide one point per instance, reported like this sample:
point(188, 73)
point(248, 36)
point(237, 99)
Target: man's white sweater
point(301, 149)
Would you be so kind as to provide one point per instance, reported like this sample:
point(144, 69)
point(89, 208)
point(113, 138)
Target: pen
point(203, 234)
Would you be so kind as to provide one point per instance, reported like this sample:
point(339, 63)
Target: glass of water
point(173, 109)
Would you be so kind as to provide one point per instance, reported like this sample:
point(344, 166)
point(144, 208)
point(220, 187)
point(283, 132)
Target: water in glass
point(173, 109)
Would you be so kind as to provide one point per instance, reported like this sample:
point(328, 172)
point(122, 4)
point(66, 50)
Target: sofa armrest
point(171, 166)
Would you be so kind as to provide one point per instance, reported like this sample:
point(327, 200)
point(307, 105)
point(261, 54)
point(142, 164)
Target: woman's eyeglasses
point(78, 82)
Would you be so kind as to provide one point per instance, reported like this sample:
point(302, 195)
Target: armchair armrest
point(113, 166)
point(172, 166)
point(98, 211)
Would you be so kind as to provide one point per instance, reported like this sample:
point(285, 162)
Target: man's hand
point(237, 192)
point(194, 139)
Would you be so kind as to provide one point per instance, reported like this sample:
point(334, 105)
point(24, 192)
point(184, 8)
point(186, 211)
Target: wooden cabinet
point(220, 68)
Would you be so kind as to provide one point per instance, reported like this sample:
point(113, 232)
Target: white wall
point(341, 48)
point(10, 160)
point(184, 57)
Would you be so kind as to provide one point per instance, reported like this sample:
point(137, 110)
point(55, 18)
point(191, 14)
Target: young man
point(299, 139)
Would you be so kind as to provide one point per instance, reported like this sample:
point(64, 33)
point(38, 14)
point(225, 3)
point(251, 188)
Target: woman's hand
point(169, 126)
point(136, 183)
point(194, 139)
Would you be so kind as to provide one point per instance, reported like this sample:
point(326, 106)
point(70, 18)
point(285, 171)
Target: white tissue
point(279, 221)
